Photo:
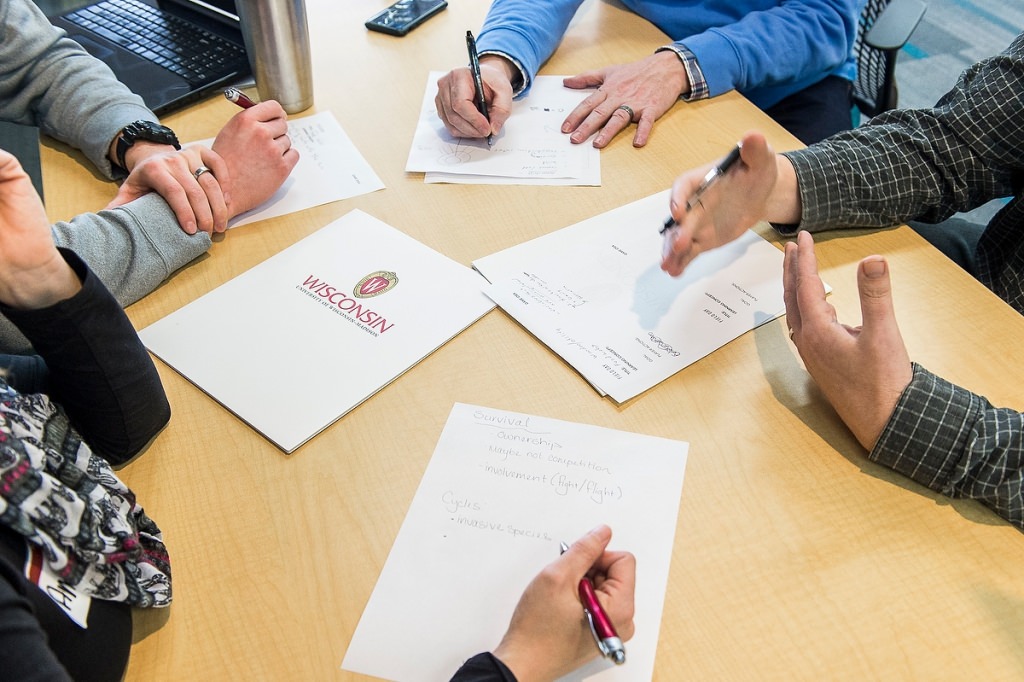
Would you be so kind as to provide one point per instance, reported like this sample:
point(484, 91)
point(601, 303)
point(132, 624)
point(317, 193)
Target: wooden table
point(795, 558)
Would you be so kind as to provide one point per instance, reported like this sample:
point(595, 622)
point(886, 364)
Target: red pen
point(608, 642)
point(238, 97)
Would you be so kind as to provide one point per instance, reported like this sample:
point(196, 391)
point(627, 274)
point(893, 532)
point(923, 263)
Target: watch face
point(150, 131)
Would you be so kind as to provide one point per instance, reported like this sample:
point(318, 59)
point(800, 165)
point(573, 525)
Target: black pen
point(710, 179)
point(478, 81)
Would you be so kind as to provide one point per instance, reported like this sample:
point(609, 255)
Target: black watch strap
point(142, 130)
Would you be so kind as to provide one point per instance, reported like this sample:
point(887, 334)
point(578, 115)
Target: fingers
point(789, 287)
point(755, 152)
point(875, 289)
point(810, 291)
point(587, 79)
point(806, 295)
point(194, 202)
point(456, 102)
point(266, 111)
point(15, 181)
point(680, 245)
point(584, 553)
point(599, 111)
point(10, 169)
point(215, 186)
point(498, 89)
point(643, 129)
point(679, 250)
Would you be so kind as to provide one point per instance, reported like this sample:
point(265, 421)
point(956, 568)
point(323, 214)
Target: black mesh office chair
point(885, 27)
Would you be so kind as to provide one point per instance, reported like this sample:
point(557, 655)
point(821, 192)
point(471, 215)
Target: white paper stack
point(531, 148)
point(594, 293)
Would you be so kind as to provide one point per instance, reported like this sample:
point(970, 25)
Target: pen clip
point(602, 647)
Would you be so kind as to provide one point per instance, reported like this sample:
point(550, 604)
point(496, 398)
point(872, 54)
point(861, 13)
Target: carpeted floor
point(952, 35)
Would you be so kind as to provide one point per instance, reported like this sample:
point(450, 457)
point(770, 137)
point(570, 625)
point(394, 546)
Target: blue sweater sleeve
point(767, 49)
point(772, 52)
point(529, 31)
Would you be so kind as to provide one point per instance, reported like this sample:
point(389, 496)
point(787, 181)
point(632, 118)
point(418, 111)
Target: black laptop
point(169, 52)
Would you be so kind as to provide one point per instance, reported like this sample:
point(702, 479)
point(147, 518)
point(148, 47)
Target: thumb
point(587, 79)
point(583, 553)
point(501, 109)
point(755, 150)
point(124, 195)
point(875, 289)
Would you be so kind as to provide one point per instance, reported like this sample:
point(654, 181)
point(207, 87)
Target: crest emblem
point(375, 284)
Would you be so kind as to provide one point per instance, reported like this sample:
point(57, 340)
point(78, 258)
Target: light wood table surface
point(794, 558)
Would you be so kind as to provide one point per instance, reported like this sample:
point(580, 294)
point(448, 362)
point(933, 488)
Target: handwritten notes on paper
point(595, 294)
point(501, 491)
point(330, 168)
point(530, 149)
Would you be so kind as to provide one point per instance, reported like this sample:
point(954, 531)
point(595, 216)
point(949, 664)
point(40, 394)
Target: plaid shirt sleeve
point(953, 441)
point(922, 164)
point(698, 84)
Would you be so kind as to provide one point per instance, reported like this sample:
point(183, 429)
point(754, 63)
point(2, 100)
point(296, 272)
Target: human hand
point(649, 87)
point(258, 154)
point(198, 203)
point(33, 274)
point(456, 98)
point(737, 202)
point(861, 370)
point(548, 636)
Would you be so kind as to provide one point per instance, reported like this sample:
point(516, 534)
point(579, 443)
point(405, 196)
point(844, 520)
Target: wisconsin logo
point(375, 284)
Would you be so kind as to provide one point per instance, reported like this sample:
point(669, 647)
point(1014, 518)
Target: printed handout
point(530, 149)
point(594, 293)
point(500, 493)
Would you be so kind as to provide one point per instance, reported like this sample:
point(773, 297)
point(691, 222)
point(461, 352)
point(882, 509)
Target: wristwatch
point(143, 130)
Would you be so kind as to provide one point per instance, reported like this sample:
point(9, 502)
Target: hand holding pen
point(472, 108)
point(715, 204)
point(549, 636)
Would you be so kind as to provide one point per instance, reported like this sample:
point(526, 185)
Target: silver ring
point(199, 171)
point(628, 110)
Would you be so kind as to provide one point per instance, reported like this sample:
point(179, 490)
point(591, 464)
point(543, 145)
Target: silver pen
point(709, 180)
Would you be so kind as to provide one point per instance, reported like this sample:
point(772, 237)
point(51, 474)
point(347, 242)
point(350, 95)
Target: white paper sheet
point(501, 491)
point(531, 148)
point(330, 168)
point(297, 341)
point(595, 294)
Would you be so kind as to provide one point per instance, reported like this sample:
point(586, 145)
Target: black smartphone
point(404, 16)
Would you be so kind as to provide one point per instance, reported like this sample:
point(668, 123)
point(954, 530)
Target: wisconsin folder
point(296, 342)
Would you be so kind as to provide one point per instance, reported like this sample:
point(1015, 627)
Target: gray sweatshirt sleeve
point(50, 81)
point(132, 249)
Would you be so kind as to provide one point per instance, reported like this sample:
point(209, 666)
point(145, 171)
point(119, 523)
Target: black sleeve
point(37, 639)
point(98, 369)
point(27, 654)
point(485, 667)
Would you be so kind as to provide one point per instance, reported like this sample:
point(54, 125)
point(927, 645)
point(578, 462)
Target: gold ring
point(199, 171)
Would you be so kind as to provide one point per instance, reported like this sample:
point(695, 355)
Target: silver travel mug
point(277, 40)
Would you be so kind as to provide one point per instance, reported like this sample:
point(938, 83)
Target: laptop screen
point(221, 10)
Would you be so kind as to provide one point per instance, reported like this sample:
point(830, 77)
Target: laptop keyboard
point(188, 50)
